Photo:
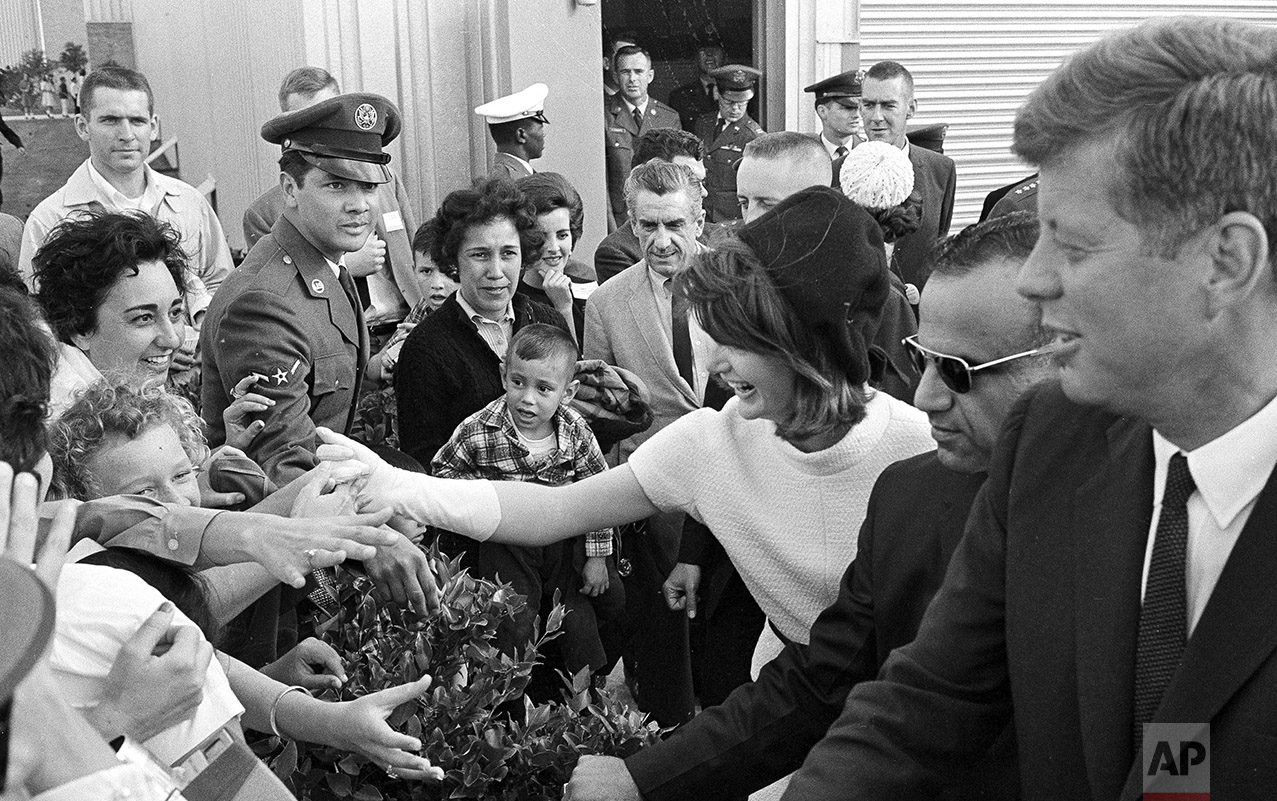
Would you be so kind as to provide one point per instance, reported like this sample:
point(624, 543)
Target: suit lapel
point(1111, 514)
point(643, 308)
point(622, 117)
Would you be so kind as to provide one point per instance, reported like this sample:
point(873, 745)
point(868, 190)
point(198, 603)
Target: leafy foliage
point(465, 721)
point(73, 58)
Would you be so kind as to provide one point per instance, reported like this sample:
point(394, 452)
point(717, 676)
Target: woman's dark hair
point(86, 254)
point(496, 199)
point(738, 305)
point(27, 360)
point(899, 221)
point(187, 589)
point(548, 191)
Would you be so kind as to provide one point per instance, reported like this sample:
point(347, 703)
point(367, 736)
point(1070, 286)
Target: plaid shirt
point(486, 445)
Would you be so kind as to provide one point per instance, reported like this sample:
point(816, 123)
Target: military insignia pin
point(365, 116)
point(316, 285)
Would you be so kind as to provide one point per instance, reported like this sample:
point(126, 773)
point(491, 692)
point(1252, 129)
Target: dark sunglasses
point(955, 371)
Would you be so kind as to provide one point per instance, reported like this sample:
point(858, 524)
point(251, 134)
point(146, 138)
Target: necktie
point(682, 337)
point(1163, 628)
point(348, 285)
point(638, 119)
point(839, 152)
point(722, 126)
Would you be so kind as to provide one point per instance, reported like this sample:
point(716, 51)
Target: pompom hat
point(877, 175)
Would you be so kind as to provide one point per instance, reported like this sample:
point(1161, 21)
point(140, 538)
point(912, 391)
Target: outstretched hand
point(366, 732)
point(380, 485)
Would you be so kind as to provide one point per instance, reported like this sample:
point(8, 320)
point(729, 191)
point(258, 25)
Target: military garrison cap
point(735, 78)
point(846, 84)
point(343, 135)
point(529, 103)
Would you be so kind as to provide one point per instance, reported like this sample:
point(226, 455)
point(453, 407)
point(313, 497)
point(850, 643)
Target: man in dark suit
point(915, 520)
point(886, 105)
point(693, 99)
point(627, 115)
point(1113, 589)
point(725, 133)
point(516, 124)
point(620, 249)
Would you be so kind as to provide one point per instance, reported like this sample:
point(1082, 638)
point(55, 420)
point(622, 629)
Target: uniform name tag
point(392, 221)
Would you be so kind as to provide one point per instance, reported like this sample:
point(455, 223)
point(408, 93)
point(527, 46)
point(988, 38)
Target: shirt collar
point(336, 266)
point(152, 192)
point(479, 318)
point(524, 162)
point(1231, 470)
point(630, 106)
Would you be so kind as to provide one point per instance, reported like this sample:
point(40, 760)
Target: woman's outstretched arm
point(513, 512)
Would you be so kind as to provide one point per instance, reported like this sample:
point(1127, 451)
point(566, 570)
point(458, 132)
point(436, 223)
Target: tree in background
point(73, 58)
point(33, 64)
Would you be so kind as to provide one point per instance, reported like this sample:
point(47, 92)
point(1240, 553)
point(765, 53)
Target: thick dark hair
point(295, 165)
point(665, 144)
point(899, 220)
point(887, 70)
point(421, 240)
point(86, 254)
point(630, 50)
point(540, 341)
point(305, 81)
point(505, 133)
point(114, 77)
point(1008, 236)
point(496, 199)
point(737, 304)
point(548, 191)
point(27, 361)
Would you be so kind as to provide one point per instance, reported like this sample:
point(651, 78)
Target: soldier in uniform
point(517, 125)
point(725, 134)
point(627, 115)
point(838, 106)
point(289, 315)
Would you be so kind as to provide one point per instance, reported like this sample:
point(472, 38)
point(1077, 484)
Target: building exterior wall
point(63, 22)
point(19, 29)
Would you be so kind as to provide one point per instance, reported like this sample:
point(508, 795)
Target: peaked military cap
point(527, 104)
point(343, 135)
point(845, 84)
point(735, 78)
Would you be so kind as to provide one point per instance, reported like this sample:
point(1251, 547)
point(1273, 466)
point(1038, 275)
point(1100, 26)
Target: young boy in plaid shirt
point(531, 434)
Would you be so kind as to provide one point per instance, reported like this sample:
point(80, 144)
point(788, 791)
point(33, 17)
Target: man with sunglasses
point(1113, 590)
point(916, 513)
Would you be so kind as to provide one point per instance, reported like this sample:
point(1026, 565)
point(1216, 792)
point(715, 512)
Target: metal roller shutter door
point(975, 62)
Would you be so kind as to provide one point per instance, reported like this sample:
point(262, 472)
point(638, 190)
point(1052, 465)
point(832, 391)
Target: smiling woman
point(111, 286)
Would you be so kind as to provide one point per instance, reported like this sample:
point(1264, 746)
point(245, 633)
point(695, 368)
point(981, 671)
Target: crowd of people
point(859, 508)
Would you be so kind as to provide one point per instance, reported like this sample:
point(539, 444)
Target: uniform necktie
point(638, 119)
point(1163, 630)
point(722, 126)
point(839, 152)
point(682, 336)
point(348, 285)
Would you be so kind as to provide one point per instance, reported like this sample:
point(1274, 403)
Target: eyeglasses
point(955, 371)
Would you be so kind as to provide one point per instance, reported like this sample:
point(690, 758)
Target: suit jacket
point(1038, 616)
point(619, 134)
point(506, 166)
point(764, 729)
point(691, 101)
point(722, 153)
point(935, 177)
point(284, 316)
point(394, 223)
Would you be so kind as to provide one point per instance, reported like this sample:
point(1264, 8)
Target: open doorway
point(673, 30)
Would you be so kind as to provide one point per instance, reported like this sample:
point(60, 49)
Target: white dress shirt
point(496, 333)
point(1230, 471)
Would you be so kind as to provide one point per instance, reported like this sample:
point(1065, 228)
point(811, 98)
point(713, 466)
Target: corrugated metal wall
point(975, 61)
point(19, 30)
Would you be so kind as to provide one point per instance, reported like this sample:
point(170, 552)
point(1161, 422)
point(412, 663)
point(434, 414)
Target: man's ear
point(1240, 254)
point(913, 108)
point(82, 126)
point(289, 186)
point(521, 134)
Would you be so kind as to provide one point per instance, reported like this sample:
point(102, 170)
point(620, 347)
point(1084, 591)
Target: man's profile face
point(535, 139)
point(885, 106)
point(761, 184)
point(297, 101)
point(334, 213)
point(978, 317)
point(1126, 320)
point(119, 127)
point(840, 121)
point(633, 74)
point(732, 104)
point(666, 227)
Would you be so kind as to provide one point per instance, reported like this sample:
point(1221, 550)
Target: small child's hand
point(594, 576)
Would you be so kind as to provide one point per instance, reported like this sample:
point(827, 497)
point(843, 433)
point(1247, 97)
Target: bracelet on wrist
point(274, 708)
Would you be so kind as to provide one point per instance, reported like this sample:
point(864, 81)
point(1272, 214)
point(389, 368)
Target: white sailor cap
point(529, 103)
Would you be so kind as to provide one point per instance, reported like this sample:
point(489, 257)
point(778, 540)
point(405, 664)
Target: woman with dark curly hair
point(450, 365)
point(555, 279)
point(111, 286)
